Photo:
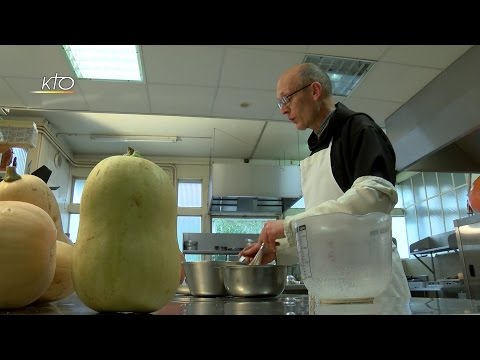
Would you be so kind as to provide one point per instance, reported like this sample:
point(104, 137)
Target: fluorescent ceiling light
point(105, 62)
point(132, 138)
point(344, 73)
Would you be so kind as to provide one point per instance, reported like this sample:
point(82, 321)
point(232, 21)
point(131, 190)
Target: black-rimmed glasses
point(285, 99)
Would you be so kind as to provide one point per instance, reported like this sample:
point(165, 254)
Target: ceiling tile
point(379, 110)
point(229, 145)
point(204, 81)
point(235, 138)
point(394, 82)
point(368, 52)
point(8, 97)
point(187, 147)
point(227, 103)
point(33, 61)
point(181, 100)
point(282, 141)
point(255, 69)
point(200, 137)
point(24, 88)
point(293, 48)
point(436, 56)
point(183, 65)
point(120, 97)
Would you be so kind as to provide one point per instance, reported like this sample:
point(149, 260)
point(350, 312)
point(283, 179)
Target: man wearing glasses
point(351, 168)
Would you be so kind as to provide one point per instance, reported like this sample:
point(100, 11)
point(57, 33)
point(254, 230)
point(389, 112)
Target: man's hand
point(272, 230)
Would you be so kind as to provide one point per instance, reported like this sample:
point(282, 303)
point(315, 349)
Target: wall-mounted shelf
point(434, 244)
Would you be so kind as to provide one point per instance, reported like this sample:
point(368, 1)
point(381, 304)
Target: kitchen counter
point(284, 304)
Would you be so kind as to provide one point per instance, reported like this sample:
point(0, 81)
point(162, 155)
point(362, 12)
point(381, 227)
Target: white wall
point(46, 154)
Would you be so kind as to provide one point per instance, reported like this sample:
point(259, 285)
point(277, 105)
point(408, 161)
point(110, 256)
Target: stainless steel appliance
point(423, 133)
point(449, 287)
point(468, 239)
point(253, 189)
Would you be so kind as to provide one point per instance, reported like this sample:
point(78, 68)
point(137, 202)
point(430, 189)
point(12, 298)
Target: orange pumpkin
point(33, 190)
point(27, 253)
point(474, 196)
point(62, 283)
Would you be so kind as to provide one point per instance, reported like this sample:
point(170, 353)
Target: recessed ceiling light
point(344, 73)
point(105, 62)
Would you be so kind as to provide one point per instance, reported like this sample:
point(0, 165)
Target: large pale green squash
point(126, 254)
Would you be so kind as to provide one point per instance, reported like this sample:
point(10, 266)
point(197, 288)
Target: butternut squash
point(32, 189)
point(62, 283)
point(27, 253)
point(126, 254)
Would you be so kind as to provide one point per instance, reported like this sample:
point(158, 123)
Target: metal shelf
point(434, 250)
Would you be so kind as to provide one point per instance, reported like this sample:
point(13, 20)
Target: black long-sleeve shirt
point(359, 147)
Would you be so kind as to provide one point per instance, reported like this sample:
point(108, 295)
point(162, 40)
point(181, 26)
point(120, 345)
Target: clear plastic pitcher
point(345, 258)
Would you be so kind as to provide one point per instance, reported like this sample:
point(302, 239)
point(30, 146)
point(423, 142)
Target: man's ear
point(317, 90)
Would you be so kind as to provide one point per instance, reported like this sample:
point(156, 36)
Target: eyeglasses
point(285, 99)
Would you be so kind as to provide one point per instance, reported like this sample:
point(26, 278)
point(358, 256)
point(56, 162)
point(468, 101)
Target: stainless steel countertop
point(284, 304)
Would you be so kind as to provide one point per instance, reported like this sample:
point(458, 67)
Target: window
point(190, 193)
point(189, 197)
point(78, 185)
point(300, 204)
point(74, 208)
point(19, 159)
point(21, 155)
point(231, 225)
point(73, 227)
point(399, 232)
point(188, 224)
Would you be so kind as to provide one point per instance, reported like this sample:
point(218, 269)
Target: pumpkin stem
point(11, 175)
point(132, 152)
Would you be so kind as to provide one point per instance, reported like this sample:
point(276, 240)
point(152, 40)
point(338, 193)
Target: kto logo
point(56, 85)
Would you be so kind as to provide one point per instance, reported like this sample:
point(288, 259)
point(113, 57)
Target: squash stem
point(11, 174)
point(131, 152)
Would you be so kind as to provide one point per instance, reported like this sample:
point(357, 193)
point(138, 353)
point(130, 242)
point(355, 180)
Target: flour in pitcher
point(346, 284)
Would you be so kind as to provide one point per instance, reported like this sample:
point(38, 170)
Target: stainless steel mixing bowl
point(255, 280)
point(205, 278)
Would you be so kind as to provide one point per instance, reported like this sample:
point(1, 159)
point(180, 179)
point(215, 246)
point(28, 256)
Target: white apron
point(319, 185)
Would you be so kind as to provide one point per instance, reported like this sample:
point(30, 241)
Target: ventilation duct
point(438, 130)
point(252, 189)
